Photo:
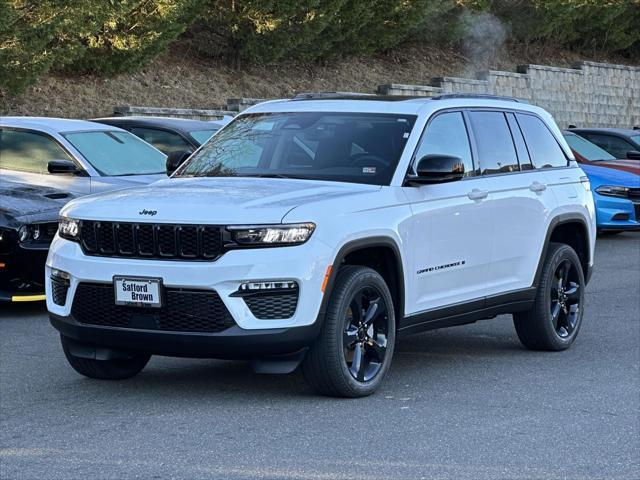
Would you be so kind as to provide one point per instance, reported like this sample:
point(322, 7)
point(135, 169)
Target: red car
point(590, 153)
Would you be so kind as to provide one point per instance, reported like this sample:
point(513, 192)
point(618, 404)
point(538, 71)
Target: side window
point(28, 151)
point(543, 146)
point(518, 140)
point(164, 141)
point(447, 135)
point(614, 145)
point(496, 150)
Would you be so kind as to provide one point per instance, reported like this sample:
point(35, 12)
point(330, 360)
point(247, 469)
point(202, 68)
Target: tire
point(116, 369)
point(555, 319)
point(332, 366)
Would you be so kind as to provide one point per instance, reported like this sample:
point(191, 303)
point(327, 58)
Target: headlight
point(69, 228)
point(613, 191)
point(271, 235)
point(24, 233)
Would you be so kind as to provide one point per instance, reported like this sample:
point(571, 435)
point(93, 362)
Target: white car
point(75, 155)
point(317, 230)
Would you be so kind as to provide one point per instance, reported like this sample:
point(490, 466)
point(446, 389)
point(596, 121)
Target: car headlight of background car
point(271, 235)
point(69, 228)
point(613, 191)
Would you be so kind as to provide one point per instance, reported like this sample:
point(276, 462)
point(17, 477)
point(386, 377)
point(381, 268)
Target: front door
point(451, 231)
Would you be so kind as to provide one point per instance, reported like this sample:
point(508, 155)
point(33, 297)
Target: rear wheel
point(354, 350)
point(115, 369)
point(555, 319)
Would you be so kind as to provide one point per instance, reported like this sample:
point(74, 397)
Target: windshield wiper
point(273, 175)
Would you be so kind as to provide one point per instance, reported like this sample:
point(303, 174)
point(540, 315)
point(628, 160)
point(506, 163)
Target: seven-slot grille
point(147, 240)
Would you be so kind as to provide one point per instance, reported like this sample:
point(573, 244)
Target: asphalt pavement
point(461, 403)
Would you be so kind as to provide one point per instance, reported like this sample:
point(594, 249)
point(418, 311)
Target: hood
point(103, 184)
point(631, 166)
point(609, 176)
point(210, 200)
point(31, 203)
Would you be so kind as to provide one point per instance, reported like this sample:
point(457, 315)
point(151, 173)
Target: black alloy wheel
point(365, 335)
point(555, 317)
point(354, 349)
point(565, 299)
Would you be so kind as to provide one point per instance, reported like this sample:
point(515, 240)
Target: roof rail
point(486, 96)
point(331, 95)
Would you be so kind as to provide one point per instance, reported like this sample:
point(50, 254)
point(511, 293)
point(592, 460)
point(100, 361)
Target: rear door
point(24, 158)
point(451, 229)
point(519, 200)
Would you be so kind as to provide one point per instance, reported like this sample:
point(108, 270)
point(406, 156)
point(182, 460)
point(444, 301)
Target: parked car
point(617, 198)
point(615, 185)
point(619, 142)
point(314, 231)
point(590, 153)
point(167, 134)
point(28, 223)
point(75, 155)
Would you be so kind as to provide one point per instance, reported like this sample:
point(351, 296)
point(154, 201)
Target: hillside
point(179, 79)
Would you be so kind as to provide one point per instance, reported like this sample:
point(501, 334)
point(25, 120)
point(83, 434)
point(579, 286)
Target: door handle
point(537, 187)
point(476, 194)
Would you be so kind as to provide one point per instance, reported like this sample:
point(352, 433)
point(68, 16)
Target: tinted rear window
point(543, 147)
point(496, 151)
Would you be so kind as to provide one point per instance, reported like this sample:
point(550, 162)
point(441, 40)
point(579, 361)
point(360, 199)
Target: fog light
point(60, 275)
point(273, 285)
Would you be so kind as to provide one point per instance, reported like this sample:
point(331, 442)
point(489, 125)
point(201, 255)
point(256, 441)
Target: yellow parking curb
point(28, 298)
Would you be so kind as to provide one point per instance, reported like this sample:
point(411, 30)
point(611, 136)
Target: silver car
point(75, 155)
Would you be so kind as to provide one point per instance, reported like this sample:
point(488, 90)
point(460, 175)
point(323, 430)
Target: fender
point(555, 222)
point(360, 244)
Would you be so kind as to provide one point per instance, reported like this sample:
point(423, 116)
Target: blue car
point(617, 197)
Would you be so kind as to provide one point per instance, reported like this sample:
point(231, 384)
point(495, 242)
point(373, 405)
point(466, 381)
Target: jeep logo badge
point(151, 213)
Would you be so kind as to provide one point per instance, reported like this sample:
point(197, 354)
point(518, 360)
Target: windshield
point(342, 147)
point(635, 138)
point(588, 150)
point(202, 136)
point(114, 153)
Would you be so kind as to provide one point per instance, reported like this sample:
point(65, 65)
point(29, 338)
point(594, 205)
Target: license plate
point(139, 292)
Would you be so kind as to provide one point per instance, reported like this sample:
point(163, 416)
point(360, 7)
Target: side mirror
point(438, 168)
point(62, 166)
point(175, 159)
point(633, 155)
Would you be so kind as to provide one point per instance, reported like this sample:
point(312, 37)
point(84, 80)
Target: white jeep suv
point(318, 230)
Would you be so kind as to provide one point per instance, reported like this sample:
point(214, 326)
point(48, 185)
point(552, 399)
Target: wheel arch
point(380, 253)
point(572, 230)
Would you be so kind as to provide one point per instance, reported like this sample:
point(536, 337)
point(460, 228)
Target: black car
point(619, 142)
point(28, 223)
point(167, 134)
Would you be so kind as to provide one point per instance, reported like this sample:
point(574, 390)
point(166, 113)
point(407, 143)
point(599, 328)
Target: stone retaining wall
point(588, 95)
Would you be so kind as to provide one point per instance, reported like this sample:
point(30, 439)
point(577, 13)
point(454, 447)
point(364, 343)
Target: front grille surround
point(182, 310)
point(152, 241)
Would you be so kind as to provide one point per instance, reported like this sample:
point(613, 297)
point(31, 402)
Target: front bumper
point(233, 343)
point(616, 213)
point(249, 337)
point(22, 275)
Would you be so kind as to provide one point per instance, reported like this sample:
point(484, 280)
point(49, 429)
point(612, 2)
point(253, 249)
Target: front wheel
point(556, 316)
point(354, 350)
point(115, 369)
